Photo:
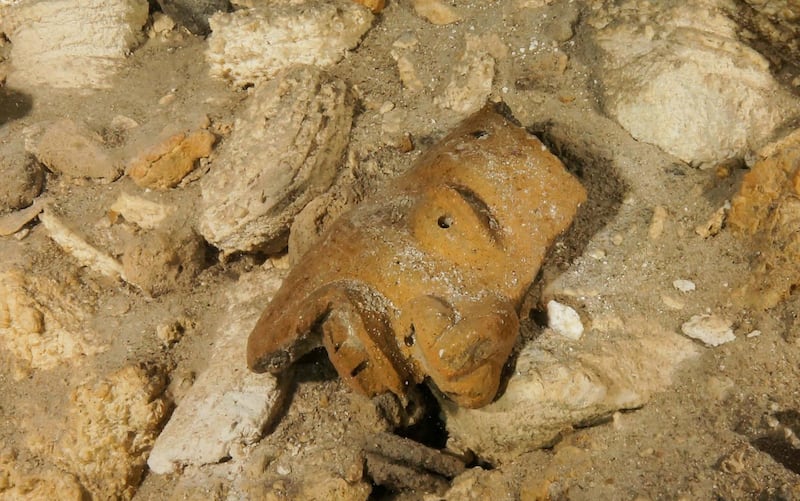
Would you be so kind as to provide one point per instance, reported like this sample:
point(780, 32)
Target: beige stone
point(140, 211)
point(74, 45)
point(165, 164)
point(73, 150)
point(556, 386)
point(435, 11)
point(248, 46)
point(286, 148)
point(41, 326)
point(111, 426)
point(471, 79)
point(45, 484)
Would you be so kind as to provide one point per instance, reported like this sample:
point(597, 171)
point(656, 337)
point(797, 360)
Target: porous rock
point(284, 151)
point(51, 483)
point(110, 429)
point(554, 387)
point(22, 176)
point(68, 44)
point(72, 149)
point(250, 45)
point(683, 81)
point(228, 405)
point(166, 163)
point(767, 210)
point(194, 14)
point(161, 261)
point(471, 79)
point(41, 326)
point(778, 22)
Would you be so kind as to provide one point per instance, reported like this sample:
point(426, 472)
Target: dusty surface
point(725, 427)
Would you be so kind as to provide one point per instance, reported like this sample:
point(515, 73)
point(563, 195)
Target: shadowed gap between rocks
point(14, 104)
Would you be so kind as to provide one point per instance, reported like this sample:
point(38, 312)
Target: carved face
point(424, 280)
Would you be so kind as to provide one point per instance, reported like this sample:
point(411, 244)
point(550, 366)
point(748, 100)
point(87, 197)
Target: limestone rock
point(41, 486)
point(778, 22)
point(228, 406)
point(374, 5)
point(111, 426)
point(22, 177)
point(194, 14)
point(140, 211)
point(767, 209)
point(435, 11)
point(710, 329)
point(73, 150)
point(471, 80)
point(250, 45)
point(73, 45)
point(165, 164)
point(41, 325)
point(683, 81)
point(284, 151)
point(554, 388)
point(76, 245)
point(160, 261)
point(15, 221)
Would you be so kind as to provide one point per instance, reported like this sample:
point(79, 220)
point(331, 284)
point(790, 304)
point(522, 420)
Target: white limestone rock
point(71, 45)
point(677, 76)
point(555, 387)
point(251, 45)
point(285, 149)
point(710, 329)
point(228, 406)
point(564, 320)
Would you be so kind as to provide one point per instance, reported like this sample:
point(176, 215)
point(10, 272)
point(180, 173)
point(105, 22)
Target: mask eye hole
point(444, 221)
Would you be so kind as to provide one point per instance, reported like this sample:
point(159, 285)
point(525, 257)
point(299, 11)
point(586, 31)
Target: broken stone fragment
point(68, 44)
point(374, 5)
point(555, 387)
point(710, 329)
point(15, 221)
point(51, 483)
point(251, 45)
point(76, 245)
point(227, 405)
point(161, 261)
point(471, 79)
point(137, 210)
point(73, 150)
point(22, 176)
point(435, 11)
point(165, 164)
point(111, 426)
point(41, 326)
point(285, 149)
point(194, 14)
point(678, 76)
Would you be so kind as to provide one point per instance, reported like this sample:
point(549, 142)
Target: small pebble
point(684, 285)
point(386, 107)
point(564, 320)
point(710, 329)
point(283, 470)
point(617, 239)
point(597, 254)
point(754, 333)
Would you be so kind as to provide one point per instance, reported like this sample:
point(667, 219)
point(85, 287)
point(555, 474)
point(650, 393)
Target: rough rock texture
point(68, 44)
point(424, 280)
point(435, 11)
point(159, 261)
point(778, 22)
point(767, 209)
point(168, 162)
point(35, 486)
point(111, 427)
point(471, 80)
point(555, 387)
point(228, 405)
point(73, 150)
point(140, 211)
point(22, 176)
point(310, 224)
point(75, 244)
point(251, 45)
point(284, 151)
point(41, 325)
point(683, 81)
point(194, 14)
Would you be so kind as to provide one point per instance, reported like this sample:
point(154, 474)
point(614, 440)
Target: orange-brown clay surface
point(425, 279)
